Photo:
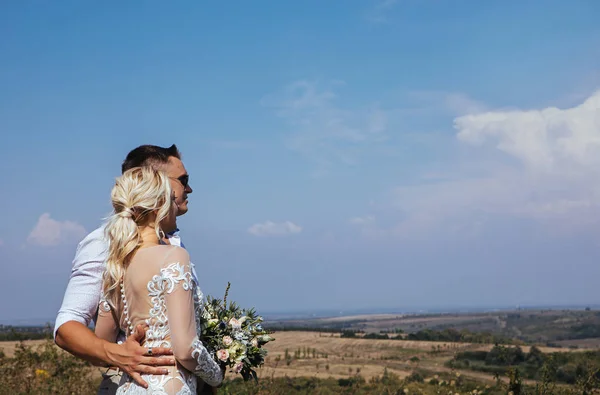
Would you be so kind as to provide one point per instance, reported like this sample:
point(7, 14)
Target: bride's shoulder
point(174, 253)
point(176, 265)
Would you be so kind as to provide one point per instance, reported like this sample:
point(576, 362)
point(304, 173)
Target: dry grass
point(593, 343)
point(346, 355)
point(9, 347)
point(336, 346)
point(9, 350)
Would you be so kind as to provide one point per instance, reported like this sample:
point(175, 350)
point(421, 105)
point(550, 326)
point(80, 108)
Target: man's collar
point(172, 233)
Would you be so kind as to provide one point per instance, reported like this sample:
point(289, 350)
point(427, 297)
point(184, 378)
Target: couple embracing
point(133, 277)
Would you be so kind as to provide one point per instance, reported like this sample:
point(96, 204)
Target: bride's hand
point(134, 359)
point(206, 389)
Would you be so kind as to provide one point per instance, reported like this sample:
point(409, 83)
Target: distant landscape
point(519, 350)
point(551, 327)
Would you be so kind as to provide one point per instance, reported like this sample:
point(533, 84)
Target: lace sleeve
point(179, 297)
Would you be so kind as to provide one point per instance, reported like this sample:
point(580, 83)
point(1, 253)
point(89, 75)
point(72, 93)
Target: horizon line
point(335, 312)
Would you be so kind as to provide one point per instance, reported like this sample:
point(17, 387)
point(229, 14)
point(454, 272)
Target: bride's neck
point(148, 236)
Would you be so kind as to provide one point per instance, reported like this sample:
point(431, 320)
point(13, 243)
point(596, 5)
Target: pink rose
point(227, 340)
point(238, 367)
point(235, 324)
point(223, 355)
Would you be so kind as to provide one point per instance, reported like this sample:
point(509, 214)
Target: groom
point(80, 302)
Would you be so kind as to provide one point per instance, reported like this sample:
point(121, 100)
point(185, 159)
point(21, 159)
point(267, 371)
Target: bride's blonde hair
point(136, 194)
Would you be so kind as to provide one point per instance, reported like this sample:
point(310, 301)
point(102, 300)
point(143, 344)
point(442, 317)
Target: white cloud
point(378, 14)
point(431, 102)
point(49, 232)
point(545, 140)
point(328, 132)
point(269, 228)
point(368, 227)
point(540, 165)
point(322, 130)
point(362, 220)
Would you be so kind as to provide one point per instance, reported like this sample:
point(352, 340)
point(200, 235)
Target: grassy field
point(302, 361)
point(9, 347)
point(325, 357)
point(334, 356)
point(342, 357)
point(556, 327)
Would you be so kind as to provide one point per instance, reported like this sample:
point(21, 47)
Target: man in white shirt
point(80, 302)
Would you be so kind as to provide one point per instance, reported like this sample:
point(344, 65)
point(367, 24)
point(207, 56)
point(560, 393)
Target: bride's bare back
point(159, 290)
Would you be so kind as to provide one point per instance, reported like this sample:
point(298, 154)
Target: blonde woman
point(149, 282)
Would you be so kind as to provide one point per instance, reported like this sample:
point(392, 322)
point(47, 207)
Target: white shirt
point(82, 295)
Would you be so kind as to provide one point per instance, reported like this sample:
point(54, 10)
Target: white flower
point(238, 367)
point(227, 340)
point(212, 322)
point(255, 342)
point(223, 355)
point(239, 336)
point(235, 324)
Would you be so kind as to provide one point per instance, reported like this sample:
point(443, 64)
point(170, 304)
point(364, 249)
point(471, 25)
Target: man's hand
point(134, 359)
point(130, 356)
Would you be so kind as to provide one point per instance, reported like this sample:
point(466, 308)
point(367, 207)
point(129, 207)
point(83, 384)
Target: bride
point(149, 282)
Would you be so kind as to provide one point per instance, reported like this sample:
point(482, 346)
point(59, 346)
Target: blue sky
point(343, 154)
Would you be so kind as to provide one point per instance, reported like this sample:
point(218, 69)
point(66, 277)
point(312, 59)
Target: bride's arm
point(187, 348)
point(106, 326)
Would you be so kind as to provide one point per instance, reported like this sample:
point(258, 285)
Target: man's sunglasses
point(184, 180)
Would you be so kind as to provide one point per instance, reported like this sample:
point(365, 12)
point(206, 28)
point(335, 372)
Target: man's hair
point(149, 155)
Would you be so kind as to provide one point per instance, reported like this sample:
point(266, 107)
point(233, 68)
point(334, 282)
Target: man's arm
point(128, 356)
point(82, 295)
point(79, 340)
point(80, 303)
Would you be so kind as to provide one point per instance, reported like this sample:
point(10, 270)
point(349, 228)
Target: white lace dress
point(159, 290)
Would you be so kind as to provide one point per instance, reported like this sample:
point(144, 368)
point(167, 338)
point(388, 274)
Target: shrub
point(45, 370)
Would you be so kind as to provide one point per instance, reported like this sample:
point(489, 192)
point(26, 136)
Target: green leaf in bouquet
point(245, 372)
point(226, 293)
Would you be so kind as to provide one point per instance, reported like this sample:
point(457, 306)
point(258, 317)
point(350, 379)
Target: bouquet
point(234, 336)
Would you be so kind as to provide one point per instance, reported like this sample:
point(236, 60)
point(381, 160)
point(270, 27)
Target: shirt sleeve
point(82, 295)
point(181, 314)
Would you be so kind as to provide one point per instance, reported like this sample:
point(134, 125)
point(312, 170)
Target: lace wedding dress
point(158, 289)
